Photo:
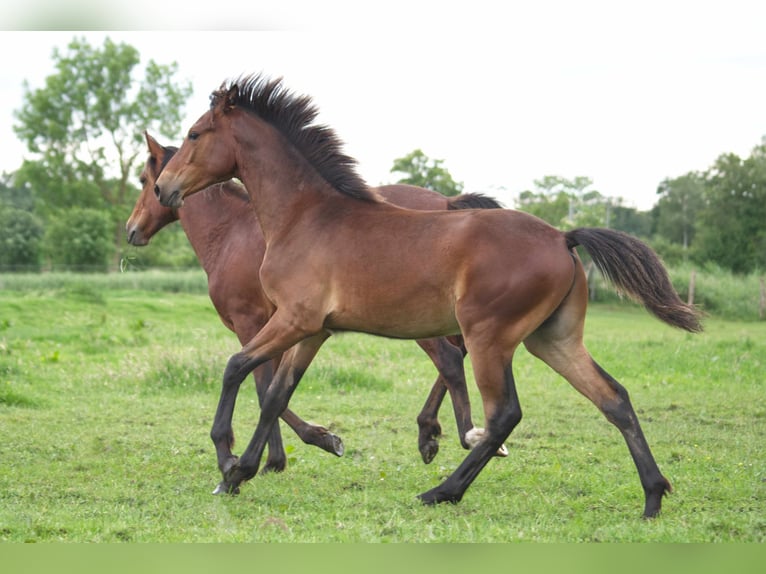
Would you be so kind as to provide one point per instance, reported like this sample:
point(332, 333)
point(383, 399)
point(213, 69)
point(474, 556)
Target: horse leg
point(276, 461)
point(276, 399)
point(310, 434)
point(448, 360)
point(502, 413)
point(270, 342)
point(568, 357)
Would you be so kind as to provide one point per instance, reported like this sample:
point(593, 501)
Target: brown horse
point(226, 237)
point(338, 258)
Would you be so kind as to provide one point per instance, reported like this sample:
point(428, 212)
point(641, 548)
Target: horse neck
point(210, 219)
point(282, 185)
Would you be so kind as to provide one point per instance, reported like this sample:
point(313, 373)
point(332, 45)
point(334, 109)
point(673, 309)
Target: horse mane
point(293, 116)
point(473, 201)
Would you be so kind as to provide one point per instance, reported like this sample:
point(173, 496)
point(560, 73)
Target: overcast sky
point(627, 94)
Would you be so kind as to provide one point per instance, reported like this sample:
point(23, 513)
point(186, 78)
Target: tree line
point(66, 207)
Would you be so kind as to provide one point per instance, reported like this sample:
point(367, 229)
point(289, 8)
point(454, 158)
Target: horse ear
point(230, 101)
point(155, 149)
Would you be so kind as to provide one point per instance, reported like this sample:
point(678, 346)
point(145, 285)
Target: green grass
point(107, 396)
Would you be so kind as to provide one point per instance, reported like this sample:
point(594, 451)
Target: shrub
point(20, 235)
point(80, 239)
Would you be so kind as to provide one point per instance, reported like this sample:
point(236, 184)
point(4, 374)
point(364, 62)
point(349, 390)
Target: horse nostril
point(157, 190)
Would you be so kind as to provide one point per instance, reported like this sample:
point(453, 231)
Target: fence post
point(692, 281)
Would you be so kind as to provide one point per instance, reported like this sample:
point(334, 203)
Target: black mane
point(293, 116)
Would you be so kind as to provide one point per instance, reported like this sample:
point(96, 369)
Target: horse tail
point(636, 270)
point(473, 201)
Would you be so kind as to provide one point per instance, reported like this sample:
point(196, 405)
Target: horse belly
point(393, 310)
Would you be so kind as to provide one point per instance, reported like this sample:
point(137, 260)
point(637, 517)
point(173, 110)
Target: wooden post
point(762, 307)
point(692, 281)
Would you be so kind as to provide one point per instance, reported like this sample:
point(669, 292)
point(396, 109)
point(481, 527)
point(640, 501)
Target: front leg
point(222, 434)
point(290, 371)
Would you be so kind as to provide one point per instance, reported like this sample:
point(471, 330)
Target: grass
point(107, 396)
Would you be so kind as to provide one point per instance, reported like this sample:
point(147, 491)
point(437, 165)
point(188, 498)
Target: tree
point(85, 126)
point(425, 172)
point(732, 231)
point(563, 202)
point(676, 211)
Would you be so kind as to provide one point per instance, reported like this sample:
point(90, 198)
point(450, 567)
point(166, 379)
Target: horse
point(338, 258)
point(224, 234)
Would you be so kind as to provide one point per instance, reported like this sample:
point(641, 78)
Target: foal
point(225, 235)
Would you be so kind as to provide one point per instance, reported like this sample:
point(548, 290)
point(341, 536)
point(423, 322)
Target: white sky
point(627, 94)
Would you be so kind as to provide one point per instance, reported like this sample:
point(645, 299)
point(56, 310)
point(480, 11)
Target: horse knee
point(220, 434)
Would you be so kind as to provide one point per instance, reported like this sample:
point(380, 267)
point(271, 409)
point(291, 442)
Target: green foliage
point(167, 250)
point(681, 199)
point(718, 215)
point(422, 171)
point(80, 238)
point(553, 208)
point(20, 236)
point(734, 233)
point(84, 126)
point(567, 203)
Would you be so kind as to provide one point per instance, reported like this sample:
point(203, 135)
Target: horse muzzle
point(169, 199)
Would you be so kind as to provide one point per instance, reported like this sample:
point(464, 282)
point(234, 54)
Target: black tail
point(635, 269)
point(473, 201)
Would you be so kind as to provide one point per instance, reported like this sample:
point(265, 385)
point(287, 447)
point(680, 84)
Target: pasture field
point(106, 400)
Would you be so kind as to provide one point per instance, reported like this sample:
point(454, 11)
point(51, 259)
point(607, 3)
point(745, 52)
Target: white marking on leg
point(478, 434)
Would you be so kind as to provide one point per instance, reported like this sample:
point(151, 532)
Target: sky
point(504, 93)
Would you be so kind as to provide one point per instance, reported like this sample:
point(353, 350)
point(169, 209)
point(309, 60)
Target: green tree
point(84, 127)
point(563, 202)
point(732, 231)
point(422, 171)
point(553, 208)
point(568, 203)
point(677, 209)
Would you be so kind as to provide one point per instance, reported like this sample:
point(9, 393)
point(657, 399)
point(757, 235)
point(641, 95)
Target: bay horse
point(224, 234)
point(338, 258)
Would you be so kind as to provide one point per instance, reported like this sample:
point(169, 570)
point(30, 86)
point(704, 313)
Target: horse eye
point(193, 135)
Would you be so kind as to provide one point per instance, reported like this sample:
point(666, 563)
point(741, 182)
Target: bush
point(80, 239)
point(20, 236)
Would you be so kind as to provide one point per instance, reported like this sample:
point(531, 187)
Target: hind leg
point(448, 360)
point(447, 356)
point(502, 412)
point(559, 344)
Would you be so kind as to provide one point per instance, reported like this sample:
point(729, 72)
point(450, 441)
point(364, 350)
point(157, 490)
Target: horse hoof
point(337, 445)
point(224, 488)
point(276, 466)
point(435, 496)
point(429, 451)
point(502, 451)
